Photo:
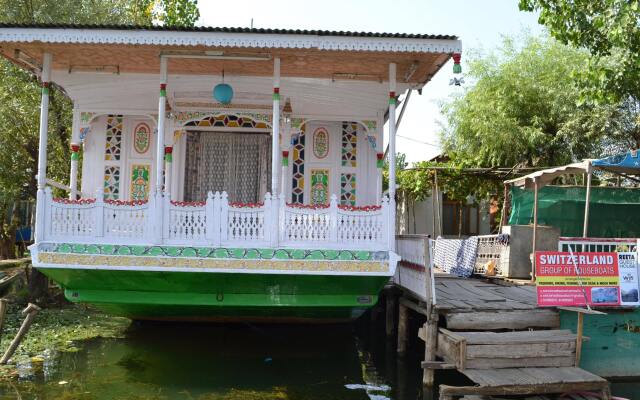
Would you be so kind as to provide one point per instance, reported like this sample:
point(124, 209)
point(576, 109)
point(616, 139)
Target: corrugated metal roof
point(233, 30)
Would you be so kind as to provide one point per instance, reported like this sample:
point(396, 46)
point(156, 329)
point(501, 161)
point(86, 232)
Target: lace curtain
point(238, 163)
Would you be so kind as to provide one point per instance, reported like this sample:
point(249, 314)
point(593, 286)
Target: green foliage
point(523, 110)
point(179, 12)
point(609, 29)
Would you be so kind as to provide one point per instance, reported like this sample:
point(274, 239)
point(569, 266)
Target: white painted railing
point(217, 222)
point(416, 254)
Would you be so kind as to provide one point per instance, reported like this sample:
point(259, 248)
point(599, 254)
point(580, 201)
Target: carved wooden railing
point(218, 222)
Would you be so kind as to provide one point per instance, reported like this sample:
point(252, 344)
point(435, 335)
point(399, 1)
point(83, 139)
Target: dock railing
point(218, 222)
point(580, 244)
point(415, 269)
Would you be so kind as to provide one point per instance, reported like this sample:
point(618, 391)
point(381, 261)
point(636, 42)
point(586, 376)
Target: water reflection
point(198, 361)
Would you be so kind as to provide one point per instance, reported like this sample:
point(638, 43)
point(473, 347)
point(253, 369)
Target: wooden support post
point(579, 334)
point(31, 312)
point(390, 314)
point(431, 342)
point(403, 321)
point(4, 304)
point(585, 228)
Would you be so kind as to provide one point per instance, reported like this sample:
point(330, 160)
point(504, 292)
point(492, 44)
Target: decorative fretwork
point(111, 183)
point(113, 147)
point(348, 189)
point(297, 185)
point(257, 121)
point(349, 143)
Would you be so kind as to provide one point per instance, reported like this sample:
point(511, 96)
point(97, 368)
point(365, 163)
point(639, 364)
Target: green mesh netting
point(613, 212)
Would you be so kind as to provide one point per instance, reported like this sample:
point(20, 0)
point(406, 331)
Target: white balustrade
point(217, 222)
point(186, 223)
point(125, 221)
point(69, 220)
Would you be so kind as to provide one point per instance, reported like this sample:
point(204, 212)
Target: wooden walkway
point(473, 304)
point(496, 336)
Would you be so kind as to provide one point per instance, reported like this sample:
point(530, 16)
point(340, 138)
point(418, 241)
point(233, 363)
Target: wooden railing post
point(99, 212)
point(333, 219)
point(268, 227)
point(281, 219)
point(211, 234)
point(166, 215)
point(46, 214)
point(224, 217)
point(387, 217)
point(274, 219)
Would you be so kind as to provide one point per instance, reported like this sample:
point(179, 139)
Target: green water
point(198, 361)
point(203, 362)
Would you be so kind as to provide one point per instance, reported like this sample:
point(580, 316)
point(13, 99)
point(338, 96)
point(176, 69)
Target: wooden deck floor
point(523, 381)
point(474, 304)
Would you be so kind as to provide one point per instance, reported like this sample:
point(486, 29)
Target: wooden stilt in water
point(403, 320)
point(31, 312)
point(579, 334)
point(3, 312)
point(431, 341)
point(390, 314)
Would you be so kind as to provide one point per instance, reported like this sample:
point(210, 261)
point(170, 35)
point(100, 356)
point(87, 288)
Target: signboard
point(628, 266)
point(584, 278)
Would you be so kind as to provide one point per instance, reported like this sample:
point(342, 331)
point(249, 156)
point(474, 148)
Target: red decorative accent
point(456, 58)
point(163, 86)
point(359, 208)
point(379, 156)
point(392, 95)
point(245, 205)
point(46, 84)
point(309, 206)
point(75, 147)
point(285, 153)
point(69, 201)
point(126, 202)
point(276, 90)
point(168, 150)
point(189, 203)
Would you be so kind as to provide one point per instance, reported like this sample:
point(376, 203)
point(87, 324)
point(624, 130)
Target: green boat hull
point(613, 348)
point(212, 296)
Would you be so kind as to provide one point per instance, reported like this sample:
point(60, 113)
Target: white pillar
point(275, 138)
point(75, 154)
point(161, 118)
point(42, 146)
point(392, 151)
point(157, 214)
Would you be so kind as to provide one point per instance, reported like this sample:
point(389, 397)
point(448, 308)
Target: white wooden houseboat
point(225, 173)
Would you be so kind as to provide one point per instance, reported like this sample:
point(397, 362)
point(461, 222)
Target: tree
point(20, 94)
point(522, 109)
point(609, 29)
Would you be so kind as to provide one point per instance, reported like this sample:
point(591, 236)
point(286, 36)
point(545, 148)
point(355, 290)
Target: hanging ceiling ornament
point(222, 92)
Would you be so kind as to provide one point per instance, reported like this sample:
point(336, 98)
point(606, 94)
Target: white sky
point(478, 23)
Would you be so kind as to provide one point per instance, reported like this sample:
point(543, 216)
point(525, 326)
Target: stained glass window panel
point(349, 144)
point(297, 184)
point(348, 189)
point(111, 183)
point(113, 146)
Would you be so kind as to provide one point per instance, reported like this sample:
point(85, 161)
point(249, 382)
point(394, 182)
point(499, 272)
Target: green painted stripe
point(219, 253)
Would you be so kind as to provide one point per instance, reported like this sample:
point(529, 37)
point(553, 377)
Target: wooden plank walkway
point(526, 381)
point(473, 304)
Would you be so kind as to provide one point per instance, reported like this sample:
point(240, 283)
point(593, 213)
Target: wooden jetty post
point(31, 312)
point(430, 346)
point(403, 321)
point(391, 301)
point(4, 304)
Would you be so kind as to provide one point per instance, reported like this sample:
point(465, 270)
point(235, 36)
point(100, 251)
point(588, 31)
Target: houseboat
point(226, 174)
